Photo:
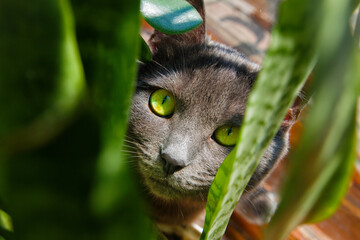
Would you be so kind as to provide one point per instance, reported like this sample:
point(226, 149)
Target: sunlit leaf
point(288, 63)
point(5, 221)
point(171, 17)
point(6, 226)
point(327, 152)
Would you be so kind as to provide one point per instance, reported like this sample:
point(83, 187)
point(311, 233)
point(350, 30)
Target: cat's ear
point(294, 112)
point(299, 104)
point(196, 35)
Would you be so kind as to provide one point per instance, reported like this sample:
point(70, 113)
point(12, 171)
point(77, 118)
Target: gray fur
point(211, 83)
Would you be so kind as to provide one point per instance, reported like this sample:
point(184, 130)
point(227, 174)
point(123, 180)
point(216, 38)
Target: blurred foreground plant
point(62, 172)
point(307, 32)
point(61, 169)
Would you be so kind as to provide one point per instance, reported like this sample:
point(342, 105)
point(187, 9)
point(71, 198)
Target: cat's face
point(209, 85)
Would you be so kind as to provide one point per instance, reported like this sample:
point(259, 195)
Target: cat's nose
point(172, 164)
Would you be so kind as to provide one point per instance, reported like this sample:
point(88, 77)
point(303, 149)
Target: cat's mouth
point(170, 187)
point(163, 187)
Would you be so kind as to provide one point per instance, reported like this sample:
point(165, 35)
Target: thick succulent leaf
point(4, 234)
point(109, 49)
point(47, 191)
point(288, 63)
point(327, 153)
point(5, 224)
point(171, 17)
point(145, 53)
point(5, 219)
point(344, 155)
point(40, 71)
point(41, 85)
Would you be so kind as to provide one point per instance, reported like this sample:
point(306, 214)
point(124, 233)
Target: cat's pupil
point(165, 98)
point(230, 131)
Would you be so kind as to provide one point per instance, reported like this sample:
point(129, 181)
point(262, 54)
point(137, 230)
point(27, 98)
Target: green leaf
point(41, 67)
point(287, 65)
point(145, 53)
point(5, 221)
point(6, 226)
point(48, 191)
point(327, 153)
point(4, 234)
point(40, 70)
point(171, 17)
point(109, 45)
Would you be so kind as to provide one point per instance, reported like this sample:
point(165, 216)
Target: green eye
point(162, 103)
point(227, 135)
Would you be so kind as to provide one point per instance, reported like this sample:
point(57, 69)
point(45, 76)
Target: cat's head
point(189, 102)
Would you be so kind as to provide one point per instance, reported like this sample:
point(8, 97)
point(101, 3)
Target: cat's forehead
point(215, 79)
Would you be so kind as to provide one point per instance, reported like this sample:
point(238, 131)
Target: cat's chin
point(171, 207)
point(170, 187)
point(164, 189)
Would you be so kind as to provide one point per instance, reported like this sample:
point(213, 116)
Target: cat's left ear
point(294, 112)
point(195, 36)
point(299, 104)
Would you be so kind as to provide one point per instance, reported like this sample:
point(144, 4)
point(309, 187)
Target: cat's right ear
point(195, 36)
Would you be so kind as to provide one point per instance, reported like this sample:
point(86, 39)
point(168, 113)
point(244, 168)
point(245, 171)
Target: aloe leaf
point(41, 74)
point(5, 221)
point(327, 153)
point(41, 67)
point(109, 45)
point(145, 53)
point(336, 187)
point(171, 17)
point(345, 153)
point(4, 233)
point(6, 226)
point(289, 60)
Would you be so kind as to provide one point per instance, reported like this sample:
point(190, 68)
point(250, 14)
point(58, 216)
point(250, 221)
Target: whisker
point(129, 146)
point(131, 138)
point(128, 151)
point(252, 205)
point(131, 142)
point(162, 66)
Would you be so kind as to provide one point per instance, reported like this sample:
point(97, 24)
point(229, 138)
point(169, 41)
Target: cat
point(188, 104)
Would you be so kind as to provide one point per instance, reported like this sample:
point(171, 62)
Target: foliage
point(63, 118)
point(327, 151)
point(306, 31)
point(67, 71)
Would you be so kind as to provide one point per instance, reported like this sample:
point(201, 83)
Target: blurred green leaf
point(326, 155)
point(4, 234)
point(289, 61)
point(171, 17)
point(108, 35)
point(145, 53)
point(41, 77)
point(5, 221)
point(43, 188)
point(49, 190)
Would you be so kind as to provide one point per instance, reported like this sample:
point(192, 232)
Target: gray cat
point(186, 112)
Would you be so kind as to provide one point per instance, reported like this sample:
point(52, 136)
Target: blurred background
point(67, 73)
